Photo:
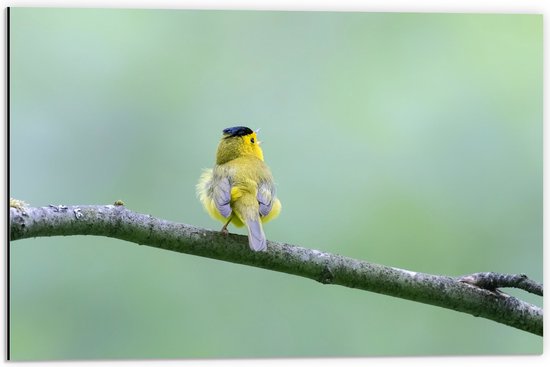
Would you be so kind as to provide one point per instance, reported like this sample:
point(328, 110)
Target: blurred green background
point(411, 140)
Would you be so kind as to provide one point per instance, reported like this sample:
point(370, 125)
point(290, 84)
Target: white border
point(429, 6)
point(468, 6)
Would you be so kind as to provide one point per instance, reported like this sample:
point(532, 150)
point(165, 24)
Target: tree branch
point(465, 294)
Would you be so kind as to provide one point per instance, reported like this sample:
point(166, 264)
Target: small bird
point(240, 188)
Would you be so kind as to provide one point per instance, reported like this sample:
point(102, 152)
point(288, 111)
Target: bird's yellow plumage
point(240, 188)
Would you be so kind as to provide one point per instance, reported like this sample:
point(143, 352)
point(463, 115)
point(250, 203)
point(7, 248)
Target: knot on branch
point(326, 276)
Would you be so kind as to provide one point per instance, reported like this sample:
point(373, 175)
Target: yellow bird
point(240, 188)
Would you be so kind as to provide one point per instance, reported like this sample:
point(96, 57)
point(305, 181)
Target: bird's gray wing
point(221, 193)
point(265, 196)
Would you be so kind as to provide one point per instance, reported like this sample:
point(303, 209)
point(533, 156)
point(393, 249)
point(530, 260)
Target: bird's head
point(236, 142)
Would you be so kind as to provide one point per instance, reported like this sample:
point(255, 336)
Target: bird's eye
point(252, 140)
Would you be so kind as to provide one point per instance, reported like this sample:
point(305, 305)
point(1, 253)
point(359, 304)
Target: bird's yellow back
point(240, 188)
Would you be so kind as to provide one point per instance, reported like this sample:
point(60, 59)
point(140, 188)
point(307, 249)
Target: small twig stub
point(493, 281)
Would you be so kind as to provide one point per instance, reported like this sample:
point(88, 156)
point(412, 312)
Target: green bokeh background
point(411, 140)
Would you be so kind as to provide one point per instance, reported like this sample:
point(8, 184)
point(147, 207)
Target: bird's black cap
point(237, 131)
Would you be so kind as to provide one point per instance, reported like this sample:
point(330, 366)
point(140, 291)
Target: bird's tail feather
point(256, 236)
